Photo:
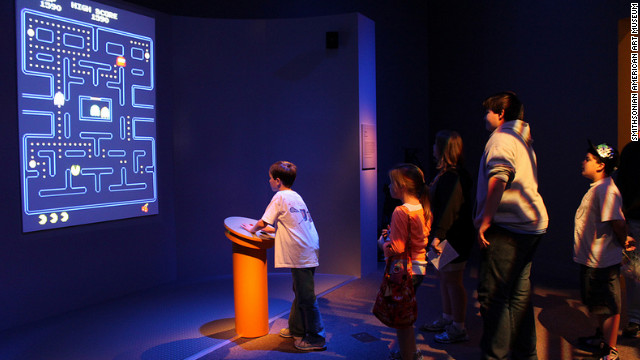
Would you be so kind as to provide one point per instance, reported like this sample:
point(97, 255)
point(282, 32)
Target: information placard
point(369, 147)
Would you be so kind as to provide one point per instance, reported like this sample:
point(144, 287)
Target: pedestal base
point(250, 291)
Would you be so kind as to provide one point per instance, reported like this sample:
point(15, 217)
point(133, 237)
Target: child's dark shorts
point(600, 289)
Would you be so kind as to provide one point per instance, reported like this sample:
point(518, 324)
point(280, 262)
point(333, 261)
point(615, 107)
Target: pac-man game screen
point(86, 112)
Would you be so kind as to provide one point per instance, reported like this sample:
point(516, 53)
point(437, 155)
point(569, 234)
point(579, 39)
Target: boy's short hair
point(507, 101)
point(605, 154)
point(285, 171)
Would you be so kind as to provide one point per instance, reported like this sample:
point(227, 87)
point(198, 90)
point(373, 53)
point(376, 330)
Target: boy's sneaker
point(436, 326)
point(306, 345)
point(452, 334)
point(612, 355)
point(286, 333)
point(631, 331)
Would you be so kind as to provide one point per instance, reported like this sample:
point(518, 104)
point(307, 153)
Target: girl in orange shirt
point(414, 215)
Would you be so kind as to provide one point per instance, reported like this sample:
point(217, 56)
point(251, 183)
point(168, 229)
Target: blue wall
point(247, 93)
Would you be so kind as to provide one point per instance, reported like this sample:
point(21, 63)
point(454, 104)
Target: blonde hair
point(411, 179)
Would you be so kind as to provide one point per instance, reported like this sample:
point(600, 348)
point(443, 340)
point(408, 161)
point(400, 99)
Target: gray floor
point(353, 333)
point(195, 321)
point(169, 322)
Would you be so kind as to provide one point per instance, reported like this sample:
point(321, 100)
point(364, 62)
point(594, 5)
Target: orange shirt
point(398, 232)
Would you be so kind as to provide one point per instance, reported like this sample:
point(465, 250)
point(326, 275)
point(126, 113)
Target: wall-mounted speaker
point(332, 39)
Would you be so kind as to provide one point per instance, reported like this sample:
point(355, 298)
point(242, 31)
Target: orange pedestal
point(251, 298)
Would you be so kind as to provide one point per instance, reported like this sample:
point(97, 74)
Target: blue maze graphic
point(86, 121)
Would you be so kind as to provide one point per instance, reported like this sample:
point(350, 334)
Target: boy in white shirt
point(296, 247)
point(600, 236)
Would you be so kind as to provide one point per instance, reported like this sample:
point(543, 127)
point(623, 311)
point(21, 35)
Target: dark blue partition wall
point(248, 93)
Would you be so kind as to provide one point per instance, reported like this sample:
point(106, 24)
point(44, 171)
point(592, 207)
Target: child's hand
point(269, 229)
point(248, 227)
point(436, 246)
point(384, 237)
point(630, 244)
point(385, 232)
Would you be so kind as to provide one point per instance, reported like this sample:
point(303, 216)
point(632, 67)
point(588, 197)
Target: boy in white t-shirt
point(600, 235)
point(296, 247)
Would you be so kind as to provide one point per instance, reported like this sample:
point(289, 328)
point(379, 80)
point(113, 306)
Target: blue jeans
point(305, 319)
point(504, 293)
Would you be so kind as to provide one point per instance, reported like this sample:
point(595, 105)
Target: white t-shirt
point(595, 244)
point(296, 239)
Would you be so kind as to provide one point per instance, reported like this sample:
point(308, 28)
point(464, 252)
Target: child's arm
point(253, 228)
point(384, 237)
point(620, 230)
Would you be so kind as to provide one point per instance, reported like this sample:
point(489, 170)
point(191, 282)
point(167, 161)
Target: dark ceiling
point(246, 9)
